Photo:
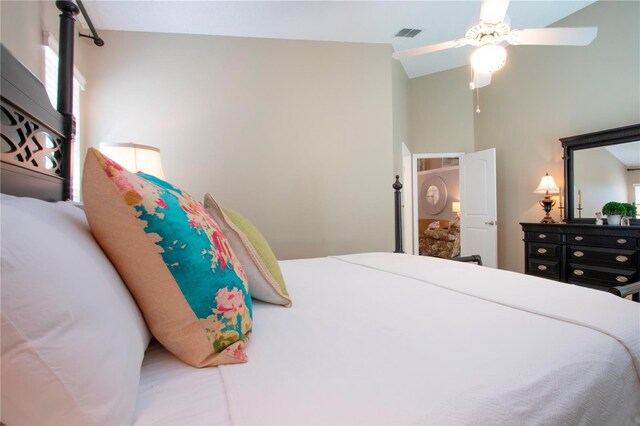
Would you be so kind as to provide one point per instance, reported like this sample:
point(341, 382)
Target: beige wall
point(633, 177)
point(545, 93)
point(441, 113)
point(297, 136)
point(21, 31)
point(22, 25)
point(400, 88)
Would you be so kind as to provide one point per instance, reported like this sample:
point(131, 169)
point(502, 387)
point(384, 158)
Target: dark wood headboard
point(34, 146)
point(37, 139)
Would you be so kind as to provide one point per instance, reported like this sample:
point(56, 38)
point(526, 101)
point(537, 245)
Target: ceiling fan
point(492, 31)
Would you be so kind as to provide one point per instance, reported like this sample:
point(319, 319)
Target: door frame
point(414, 196)
point(407, 200)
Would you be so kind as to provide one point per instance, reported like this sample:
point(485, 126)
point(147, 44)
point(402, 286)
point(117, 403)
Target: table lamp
point(455, 207)
point(135, 157)
point(547, 187)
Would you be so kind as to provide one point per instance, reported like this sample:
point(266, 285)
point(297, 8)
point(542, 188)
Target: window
point(51, 85)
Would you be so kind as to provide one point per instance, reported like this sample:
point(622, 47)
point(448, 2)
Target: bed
point(371, 338)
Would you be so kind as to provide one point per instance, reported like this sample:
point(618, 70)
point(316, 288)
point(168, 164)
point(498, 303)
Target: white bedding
point(389, 339)
point(174, 393)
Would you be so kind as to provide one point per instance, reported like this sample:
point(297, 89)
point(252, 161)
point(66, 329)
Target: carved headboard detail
point(33, 146)
point(26, 143)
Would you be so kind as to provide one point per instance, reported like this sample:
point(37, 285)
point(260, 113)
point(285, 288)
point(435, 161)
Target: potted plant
point(630, 213)
point(614, 212)
point(631, 210)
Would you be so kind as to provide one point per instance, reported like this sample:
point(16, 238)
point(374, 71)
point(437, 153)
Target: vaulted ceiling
point(342, 21)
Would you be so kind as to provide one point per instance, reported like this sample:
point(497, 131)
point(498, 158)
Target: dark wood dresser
point(597, 256)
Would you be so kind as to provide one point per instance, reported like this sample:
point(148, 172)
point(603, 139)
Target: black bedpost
point(65, 88)
point(398, 214)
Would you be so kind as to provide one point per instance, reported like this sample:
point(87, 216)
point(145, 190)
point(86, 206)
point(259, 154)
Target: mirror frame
point(591, 140)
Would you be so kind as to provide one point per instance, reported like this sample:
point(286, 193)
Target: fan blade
point(493, 11)
point(481, 79)
point(554, 36)
point(409, 53)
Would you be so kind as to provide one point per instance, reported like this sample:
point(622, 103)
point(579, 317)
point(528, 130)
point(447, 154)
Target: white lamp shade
point(547, 185)
point(455, 207)
point(135, 157)
point(488, 58)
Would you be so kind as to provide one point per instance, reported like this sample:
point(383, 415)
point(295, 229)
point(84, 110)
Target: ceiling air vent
point(408, 32)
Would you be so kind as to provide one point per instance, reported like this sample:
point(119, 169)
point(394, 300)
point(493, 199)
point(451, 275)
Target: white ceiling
point(345, 21)
point(628, 153)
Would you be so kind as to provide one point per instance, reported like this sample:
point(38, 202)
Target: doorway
point(436, 194)
point(476, 195)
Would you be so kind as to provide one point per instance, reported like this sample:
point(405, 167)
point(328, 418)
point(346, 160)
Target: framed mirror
point(435, 195)
point(600, 167)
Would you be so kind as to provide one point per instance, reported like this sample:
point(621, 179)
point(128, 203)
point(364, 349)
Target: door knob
point(491, 223)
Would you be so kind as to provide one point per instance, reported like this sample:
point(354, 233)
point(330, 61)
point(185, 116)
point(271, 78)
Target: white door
point(407, 201)
point(478, 206)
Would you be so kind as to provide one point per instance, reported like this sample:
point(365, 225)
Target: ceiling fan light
point(489, 58)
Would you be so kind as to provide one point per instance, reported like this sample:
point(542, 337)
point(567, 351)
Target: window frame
point(50, 80)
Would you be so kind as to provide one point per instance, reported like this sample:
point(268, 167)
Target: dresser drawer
point(602, 241)
point(585, 254)
point(601, 276)
point(543, 250)
point(544, 268)
point(603, 256)
point(547, 237)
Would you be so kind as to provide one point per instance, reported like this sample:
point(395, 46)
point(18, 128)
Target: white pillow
point(73, 339)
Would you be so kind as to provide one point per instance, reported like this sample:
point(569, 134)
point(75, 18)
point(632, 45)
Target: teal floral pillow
point(174, 258)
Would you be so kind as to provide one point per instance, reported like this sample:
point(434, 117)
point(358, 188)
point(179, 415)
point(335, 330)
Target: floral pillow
point(175, 260)
point(434, 225)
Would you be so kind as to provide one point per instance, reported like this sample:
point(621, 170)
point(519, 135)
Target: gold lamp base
point(547, 219)
point(547, 204)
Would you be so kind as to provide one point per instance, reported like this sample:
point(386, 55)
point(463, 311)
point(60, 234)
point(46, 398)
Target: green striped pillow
point(260, 264)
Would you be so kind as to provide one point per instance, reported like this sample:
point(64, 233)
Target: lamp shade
point(488, 58)
point(547, 186)
point(455, 207)
point(135, 157)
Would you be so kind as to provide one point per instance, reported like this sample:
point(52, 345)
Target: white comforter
point(395, 339)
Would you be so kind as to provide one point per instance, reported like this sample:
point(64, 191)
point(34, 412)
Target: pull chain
point(477, 101)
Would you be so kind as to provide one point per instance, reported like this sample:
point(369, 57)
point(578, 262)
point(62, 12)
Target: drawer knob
point(578, 253)
point(542, 267)
point(622, 258)
point(542, 250)
point(578, 238)
point(621, 241)
point(543, 236)
point(578, 272)
point(622, 279)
